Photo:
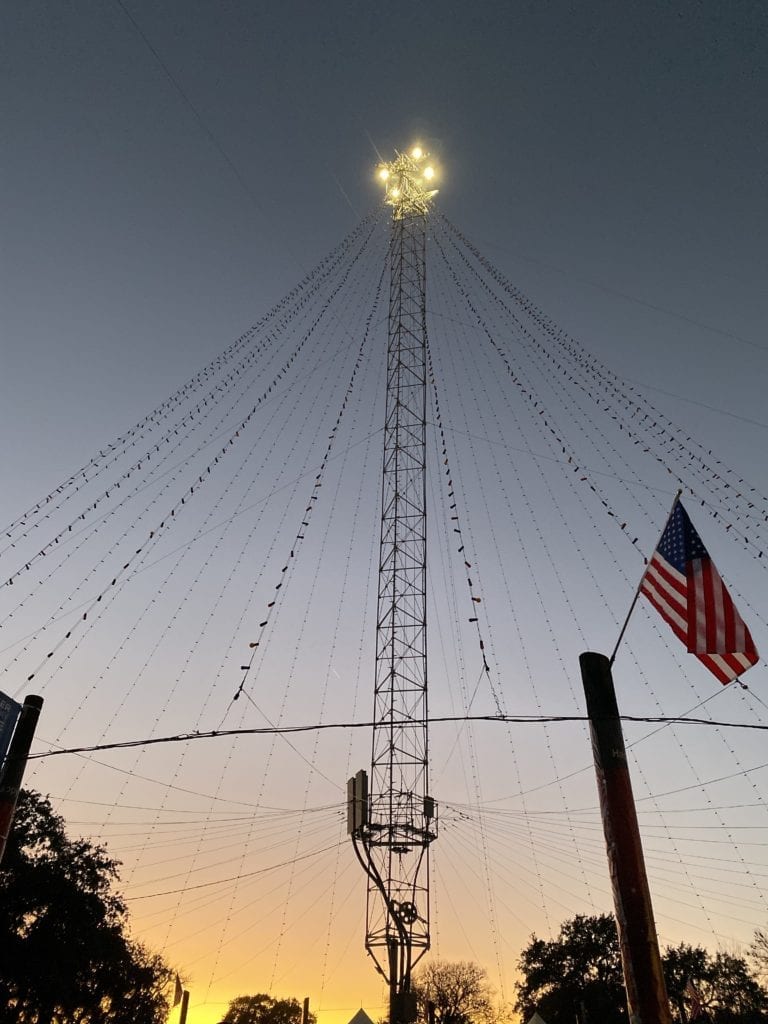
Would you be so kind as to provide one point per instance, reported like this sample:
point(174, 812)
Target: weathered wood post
point(647, 1000)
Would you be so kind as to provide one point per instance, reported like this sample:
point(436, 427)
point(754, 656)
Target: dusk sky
point(170, 172)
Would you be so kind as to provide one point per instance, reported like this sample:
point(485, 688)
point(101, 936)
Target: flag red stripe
point(673, 578)
point(663, 579)
point(662, 609)
point(708, 632)
point(733, 635)
point(678, 610)
point(715, 666)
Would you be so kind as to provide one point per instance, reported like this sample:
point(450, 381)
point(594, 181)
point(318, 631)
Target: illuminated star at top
point(408, 182)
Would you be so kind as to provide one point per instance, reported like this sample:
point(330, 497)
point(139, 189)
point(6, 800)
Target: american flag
point(682, 583)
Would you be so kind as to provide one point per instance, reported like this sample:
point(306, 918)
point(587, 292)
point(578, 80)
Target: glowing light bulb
point(408, 184)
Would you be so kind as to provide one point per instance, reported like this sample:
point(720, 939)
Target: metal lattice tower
point(392, 820)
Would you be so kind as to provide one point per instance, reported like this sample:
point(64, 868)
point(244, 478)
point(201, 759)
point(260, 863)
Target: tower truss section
point(392, 816)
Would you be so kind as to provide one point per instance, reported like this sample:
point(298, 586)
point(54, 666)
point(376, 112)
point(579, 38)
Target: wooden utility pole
point(647, 1000)
point(184, 1007)
point(15, 764)
point(305, 1011)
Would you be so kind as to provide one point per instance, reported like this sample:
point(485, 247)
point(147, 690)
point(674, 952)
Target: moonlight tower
point(391, 815)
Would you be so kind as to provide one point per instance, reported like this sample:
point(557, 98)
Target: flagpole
point(639, 585)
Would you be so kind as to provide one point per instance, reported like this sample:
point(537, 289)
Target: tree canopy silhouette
point(758, 955)
point(579, 972)
point(578, 975)
point(63, 930)
point(729, 992)
point(459, 992)
point(263, 1009)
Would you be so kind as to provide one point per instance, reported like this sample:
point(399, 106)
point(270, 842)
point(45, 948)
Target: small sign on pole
point(14, 763)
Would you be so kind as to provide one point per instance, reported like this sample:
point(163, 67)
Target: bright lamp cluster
point(408, 183)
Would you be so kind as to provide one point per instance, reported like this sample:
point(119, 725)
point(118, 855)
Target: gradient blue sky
point(169, 171)
point(612, 145)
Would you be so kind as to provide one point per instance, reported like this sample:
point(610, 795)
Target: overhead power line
point(270, 730)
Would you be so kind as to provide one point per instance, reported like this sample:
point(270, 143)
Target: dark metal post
point(392, 977)
point(184, 1007)
point(647, 1000)
point(15, 764)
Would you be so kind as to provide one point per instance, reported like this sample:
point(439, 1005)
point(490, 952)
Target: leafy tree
point(459, 992)
point(579, 972)
point(66, 955)
point(262, 1009)
point(683, 964)
point(758, 955)
point(736, 995)
point(728, 992)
